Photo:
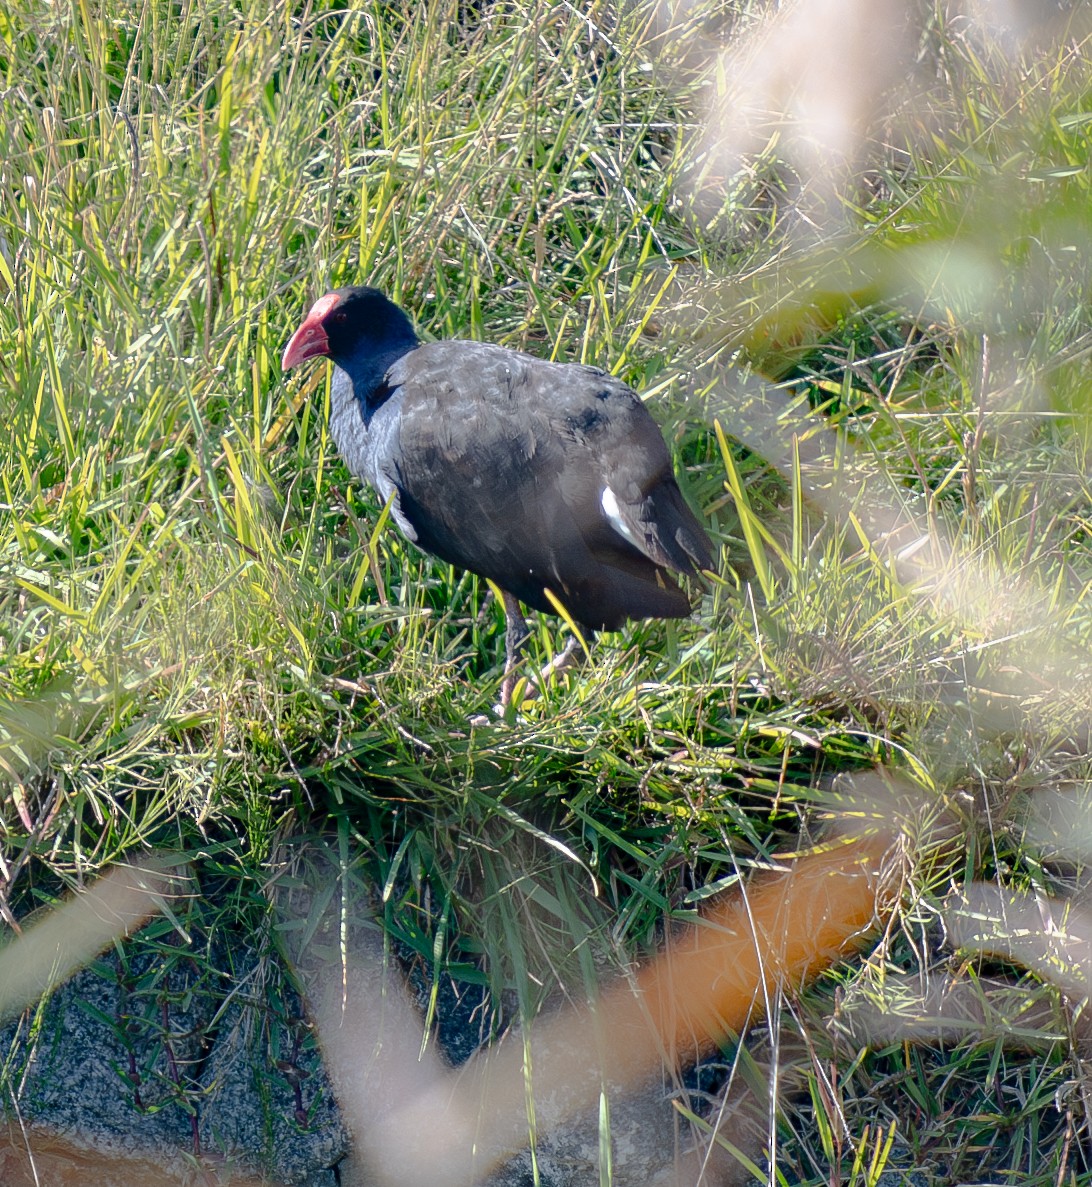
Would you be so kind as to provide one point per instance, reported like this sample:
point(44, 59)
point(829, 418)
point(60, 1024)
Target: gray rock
point(91, 1062)
point(267, 1101)
point(168, 1050)
point(152, 1057)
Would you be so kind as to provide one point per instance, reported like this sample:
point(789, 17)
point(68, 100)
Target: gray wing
point(538, 476)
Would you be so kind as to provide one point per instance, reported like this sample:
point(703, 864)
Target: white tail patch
point(609, 502)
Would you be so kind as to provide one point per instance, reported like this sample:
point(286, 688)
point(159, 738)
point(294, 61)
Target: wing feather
point(501, 463)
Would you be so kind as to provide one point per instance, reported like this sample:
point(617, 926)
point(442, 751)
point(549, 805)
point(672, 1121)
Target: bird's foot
point(508, 688)
point(570, 656)
point(515, 691)
point(518, 690)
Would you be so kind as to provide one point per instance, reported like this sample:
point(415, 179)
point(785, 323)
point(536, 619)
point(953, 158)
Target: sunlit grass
point(206, 642)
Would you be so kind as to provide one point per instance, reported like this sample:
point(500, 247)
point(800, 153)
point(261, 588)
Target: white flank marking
point(609, 502)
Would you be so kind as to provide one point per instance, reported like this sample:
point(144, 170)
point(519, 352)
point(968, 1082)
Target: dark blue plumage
point(537, 475)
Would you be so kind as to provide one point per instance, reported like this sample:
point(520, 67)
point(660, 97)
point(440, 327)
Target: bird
point(551, 480)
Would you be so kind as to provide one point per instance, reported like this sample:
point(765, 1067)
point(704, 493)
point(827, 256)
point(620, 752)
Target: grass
point(210, 640)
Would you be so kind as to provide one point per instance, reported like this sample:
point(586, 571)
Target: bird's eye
point(340, 316)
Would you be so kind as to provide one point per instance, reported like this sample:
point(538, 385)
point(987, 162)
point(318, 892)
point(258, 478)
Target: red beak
point(310, 340)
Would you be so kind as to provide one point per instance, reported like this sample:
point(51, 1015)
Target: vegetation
point(210, 638)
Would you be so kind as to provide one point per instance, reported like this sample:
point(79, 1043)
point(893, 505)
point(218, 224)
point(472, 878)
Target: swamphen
point(539, 476)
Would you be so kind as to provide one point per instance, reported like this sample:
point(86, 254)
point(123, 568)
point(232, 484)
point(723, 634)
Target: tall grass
point(205, 639)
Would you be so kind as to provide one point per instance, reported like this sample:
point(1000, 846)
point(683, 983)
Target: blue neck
point(367, 371)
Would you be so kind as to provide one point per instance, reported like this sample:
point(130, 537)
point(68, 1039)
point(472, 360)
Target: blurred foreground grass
point(205, 643)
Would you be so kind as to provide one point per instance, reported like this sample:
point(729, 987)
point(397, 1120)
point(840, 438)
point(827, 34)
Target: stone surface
point(166, 1049)
point(156, 1059)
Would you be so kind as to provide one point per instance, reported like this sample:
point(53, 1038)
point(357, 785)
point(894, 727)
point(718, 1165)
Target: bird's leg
point(515, 635)
point(572, 655)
